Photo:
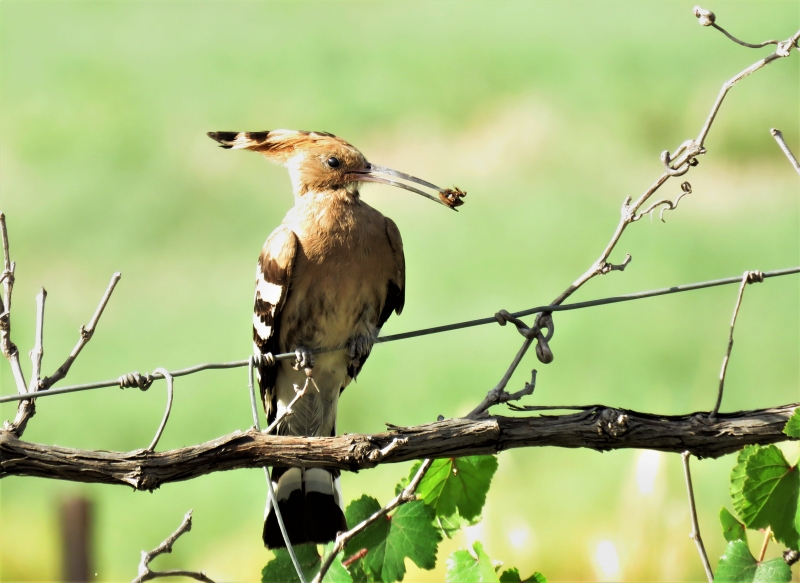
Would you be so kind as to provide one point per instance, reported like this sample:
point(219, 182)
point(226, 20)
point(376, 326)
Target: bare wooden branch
point(288, 411)
point(38, 348)
point(27, 408)
point(695, 534)
point(708, 18)
point(86, 333)
point(783, 50)
point(7, 347)
point(147, 574)
point(748, 277)
point(782, 143)
point(600, 428)
point(167, 411)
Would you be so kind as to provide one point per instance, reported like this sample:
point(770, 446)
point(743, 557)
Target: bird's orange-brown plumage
point(327, 280)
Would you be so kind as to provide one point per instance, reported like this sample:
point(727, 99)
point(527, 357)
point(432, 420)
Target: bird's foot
point(304, 359)
point(360, 347)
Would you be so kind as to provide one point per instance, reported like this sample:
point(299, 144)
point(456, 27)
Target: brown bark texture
point(600, 428)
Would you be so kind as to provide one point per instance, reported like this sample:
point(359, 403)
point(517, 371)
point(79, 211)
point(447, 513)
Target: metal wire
point(425, 331)
point(272, 500)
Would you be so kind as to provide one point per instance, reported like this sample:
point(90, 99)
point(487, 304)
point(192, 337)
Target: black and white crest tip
point(230, 140)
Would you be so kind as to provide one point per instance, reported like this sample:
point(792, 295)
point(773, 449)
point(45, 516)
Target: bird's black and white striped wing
point(273, 277)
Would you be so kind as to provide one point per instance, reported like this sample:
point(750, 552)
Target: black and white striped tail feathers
point(310, 502)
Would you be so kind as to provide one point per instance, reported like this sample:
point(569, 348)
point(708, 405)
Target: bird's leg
point(360, 346)
point(304, 359)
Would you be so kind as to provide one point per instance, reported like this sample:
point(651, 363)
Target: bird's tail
point(310, 501)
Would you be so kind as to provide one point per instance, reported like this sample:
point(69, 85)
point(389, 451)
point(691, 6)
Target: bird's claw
point(304, 359)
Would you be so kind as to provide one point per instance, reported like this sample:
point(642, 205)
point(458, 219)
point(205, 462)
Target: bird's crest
point(280, 145)
point(321, 162)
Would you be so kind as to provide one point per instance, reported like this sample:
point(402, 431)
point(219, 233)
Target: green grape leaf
point(337, 572)
point(356, 570)
point(732, 529)
point(450, 525)
point(463, 567)
point(773, 571)
point(357, 512)
point(281, 569)
point(737, 565)
point(411, 534)
point(458, 484)
point(769, 494)
point(738, 471)
point(792, 428)
point(512, 576)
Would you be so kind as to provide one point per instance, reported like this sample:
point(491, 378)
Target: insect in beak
point(449, 197)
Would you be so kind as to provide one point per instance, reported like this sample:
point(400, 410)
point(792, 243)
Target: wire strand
point(425, 331)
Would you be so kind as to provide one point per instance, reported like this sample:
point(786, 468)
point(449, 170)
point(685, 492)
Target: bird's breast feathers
point(324, 275)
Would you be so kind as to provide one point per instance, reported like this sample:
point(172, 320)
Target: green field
point(548, 113)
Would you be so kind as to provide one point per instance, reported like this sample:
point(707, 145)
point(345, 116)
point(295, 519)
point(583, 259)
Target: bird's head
point(321, 162)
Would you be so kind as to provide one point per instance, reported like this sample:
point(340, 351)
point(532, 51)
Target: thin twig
point(495, 396)
point(686, 188)
point(765, 544)
point(252, 391)
point(782, 143)
point(164, 420)
point(741, 42)
point(147, 574)
point(288, 411)
point(343, 538)
point(748, 277)
point(38, 348)
point(695, 534)
point(86, 334)
point(7, 347)
point(426, 331)
point(27, 408)
point(783, 50)
point(708, 18)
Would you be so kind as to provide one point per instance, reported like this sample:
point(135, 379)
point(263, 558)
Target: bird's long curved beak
point(449, 197)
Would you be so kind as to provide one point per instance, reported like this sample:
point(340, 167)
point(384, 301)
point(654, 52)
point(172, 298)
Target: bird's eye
point(333, 162)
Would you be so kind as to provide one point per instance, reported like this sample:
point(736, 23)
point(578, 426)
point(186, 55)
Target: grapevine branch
point(595, 427)
point(147, 574)
point(695, 534)
point(747, 278)
point(782, 143)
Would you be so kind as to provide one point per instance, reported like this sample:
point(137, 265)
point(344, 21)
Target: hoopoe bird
point(327, 280)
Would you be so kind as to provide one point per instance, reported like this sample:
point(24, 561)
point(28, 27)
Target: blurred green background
point(548, 113)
